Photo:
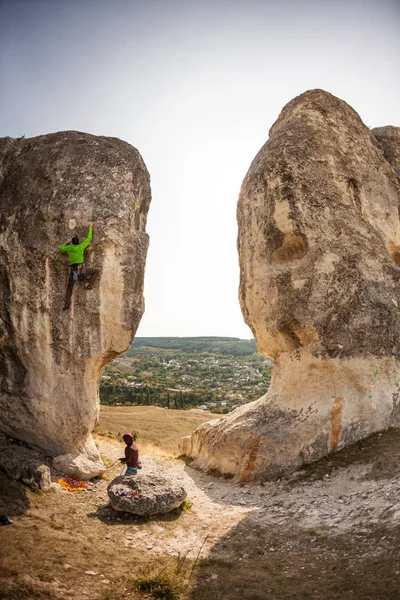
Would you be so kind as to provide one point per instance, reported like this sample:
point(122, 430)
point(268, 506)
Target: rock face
point(51, 187)
point(145, 494)
point(79, 466)
point(25, 464)
point(319, 251)
point(389, 139)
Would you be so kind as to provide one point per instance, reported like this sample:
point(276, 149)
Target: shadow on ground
point(106, 514)
point(286, 562)
point(13, 497)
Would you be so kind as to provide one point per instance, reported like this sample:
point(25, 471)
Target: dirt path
point(339, 500)
point(329, 531)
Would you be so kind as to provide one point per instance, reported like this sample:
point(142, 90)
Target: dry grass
point(46, 553)
point(158, 429)
point(57, 537)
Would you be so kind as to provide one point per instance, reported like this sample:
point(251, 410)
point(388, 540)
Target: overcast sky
point(195, 85)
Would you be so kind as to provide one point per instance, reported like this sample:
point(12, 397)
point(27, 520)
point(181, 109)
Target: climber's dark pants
point(90, 277)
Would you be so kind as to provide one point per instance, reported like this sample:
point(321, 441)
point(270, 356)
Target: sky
point(195, 85)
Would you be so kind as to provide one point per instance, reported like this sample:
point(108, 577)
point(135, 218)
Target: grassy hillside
point(214, 345)
point(155, 426)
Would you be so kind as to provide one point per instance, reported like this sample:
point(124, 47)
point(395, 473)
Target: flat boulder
point(145, 494)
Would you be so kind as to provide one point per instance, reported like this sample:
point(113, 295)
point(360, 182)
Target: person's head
point(75, 240)
point(129, 438)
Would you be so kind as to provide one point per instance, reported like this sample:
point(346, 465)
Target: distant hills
point(214, 345)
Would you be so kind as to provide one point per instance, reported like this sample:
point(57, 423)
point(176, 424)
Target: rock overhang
point(318, 235)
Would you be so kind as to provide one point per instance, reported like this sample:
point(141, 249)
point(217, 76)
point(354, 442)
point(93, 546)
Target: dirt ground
point(330, 531)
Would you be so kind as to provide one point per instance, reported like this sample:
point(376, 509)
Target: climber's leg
point(70, 287)
point(91, 277)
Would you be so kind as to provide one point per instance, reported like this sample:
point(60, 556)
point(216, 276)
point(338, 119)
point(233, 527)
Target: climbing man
point(78, 270)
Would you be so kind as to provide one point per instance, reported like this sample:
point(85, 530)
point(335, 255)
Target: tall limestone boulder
point(319, 251)
point(51, 360)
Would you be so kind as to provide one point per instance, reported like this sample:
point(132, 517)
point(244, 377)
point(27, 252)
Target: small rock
point(90, 573)
point(66, 566)
point(106, 581)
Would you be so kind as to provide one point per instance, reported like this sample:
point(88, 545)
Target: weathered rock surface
point(389, 139)
point(319, 251)
point(51, 187)
point(145, 494)
point(78, 466)
point(25, 464)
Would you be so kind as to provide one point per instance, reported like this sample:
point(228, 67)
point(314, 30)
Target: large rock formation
point(319, 250)
point(51, 187)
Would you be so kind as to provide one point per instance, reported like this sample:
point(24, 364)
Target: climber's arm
point(89, 236)
point(64, 248)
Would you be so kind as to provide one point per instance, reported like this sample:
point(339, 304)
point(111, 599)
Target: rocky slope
point(51, 187)
point(319, 252)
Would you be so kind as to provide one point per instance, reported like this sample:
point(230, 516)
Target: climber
point(131, 459)
point(78, 271)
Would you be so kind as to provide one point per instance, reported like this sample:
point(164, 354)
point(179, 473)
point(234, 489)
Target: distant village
point(179, 380)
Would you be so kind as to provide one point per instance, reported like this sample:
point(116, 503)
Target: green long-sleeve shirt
point(76, 253)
